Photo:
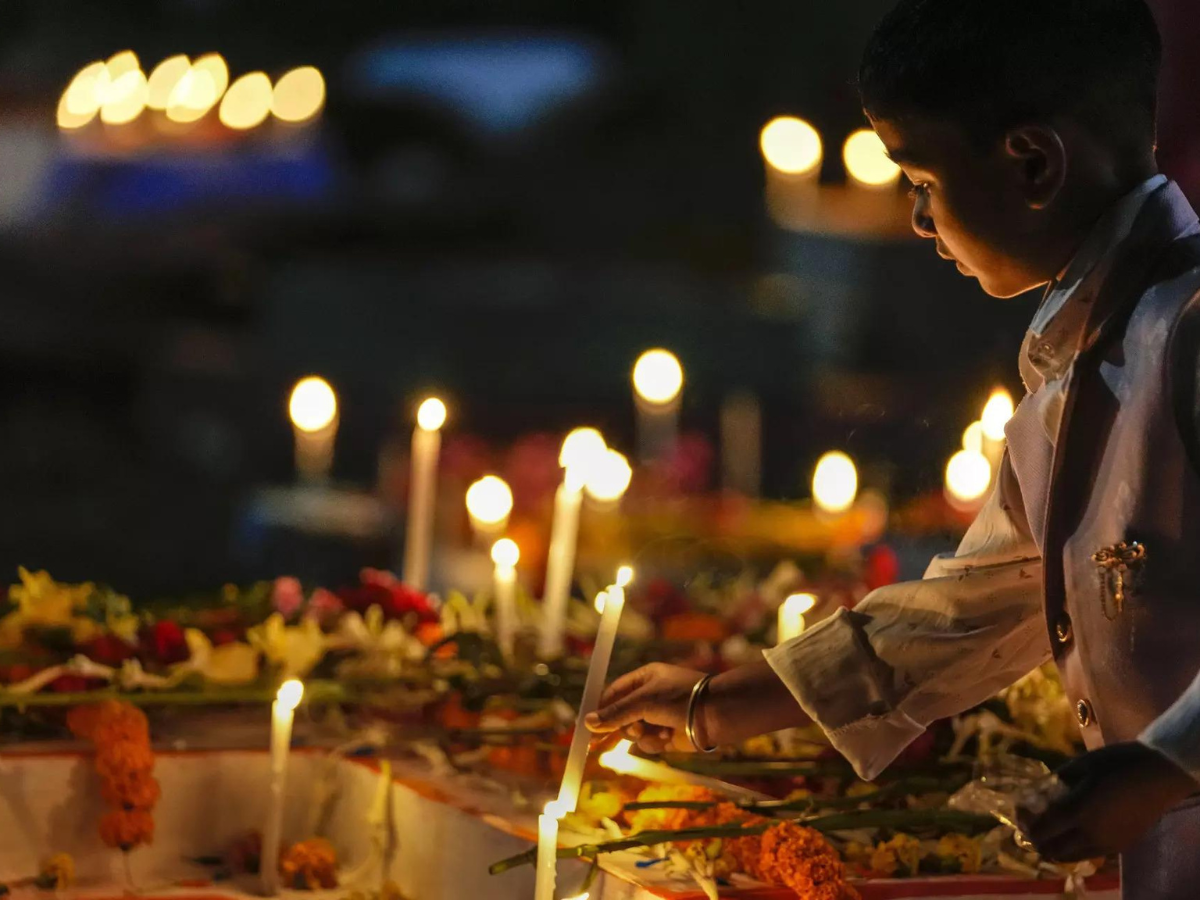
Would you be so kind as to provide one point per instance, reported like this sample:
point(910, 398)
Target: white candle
point(609, 604)
point(505, 554)
point(282, 713)
point(657, 384)
point(422, 492)
point(582, 450)
point(791, 616)
point(313, 410)
point(547, 851)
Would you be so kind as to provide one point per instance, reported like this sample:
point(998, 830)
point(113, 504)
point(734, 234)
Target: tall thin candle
point(282, 714)
point(426, 447)
point(547, 851)
point(606, 635)
point(505, 554)
point(791, 616)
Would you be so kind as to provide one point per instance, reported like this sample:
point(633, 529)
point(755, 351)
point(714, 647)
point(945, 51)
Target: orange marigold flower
point(801, 859)
point(309, 865)
point(108, 720)
point(131, 790)
point(127, 828)
point(82, 720)
point(120, 759)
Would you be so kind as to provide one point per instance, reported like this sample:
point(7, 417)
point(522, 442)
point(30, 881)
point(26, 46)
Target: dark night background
point(505, 202)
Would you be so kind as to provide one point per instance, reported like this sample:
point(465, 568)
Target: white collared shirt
point(874, 677)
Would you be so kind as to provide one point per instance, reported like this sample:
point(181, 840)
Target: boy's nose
point(922, 222)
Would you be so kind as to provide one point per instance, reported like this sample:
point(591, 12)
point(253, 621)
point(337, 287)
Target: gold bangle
point(690, 720)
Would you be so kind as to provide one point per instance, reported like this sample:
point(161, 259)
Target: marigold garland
point(310, 865)
point(125, 764)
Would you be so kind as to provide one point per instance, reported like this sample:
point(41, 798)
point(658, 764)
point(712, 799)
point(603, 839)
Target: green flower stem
point(642, 839)
point(673, 804)
point(942, 819)
point(314, 692)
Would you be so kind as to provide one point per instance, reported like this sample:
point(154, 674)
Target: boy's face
point(969, 201)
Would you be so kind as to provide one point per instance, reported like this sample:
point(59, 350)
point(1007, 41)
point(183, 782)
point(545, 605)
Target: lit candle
point(581, 451)
point(657, 384)
point(422, 492)
point(489, 502)
point(792, 151)
point(620, 760)
point(834, 483)
point(609, 604)
point(996, 413)
point(313, 410)
point(791, 616)
point(282, 713)
point(609, 479)
point(547, 850)
point(505, 554)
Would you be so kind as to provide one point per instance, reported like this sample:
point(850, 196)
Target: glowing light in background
point(489, 500)
point(505, 552)
point(83, 97)
point(192, 97)
point(313, 404)
point(163, 79)
point(214, 65)
point(867, 161)
point(582, 450)
point(968, 475)
point(120, 64)
point(973, 437)
point(608, 477)
point(125, 97)
point(298, 95)
point(996, 413)
point(835, 482)
point(658, 376)
point(791, 146)
point(431, 414)
point(247, 102)
point(624, 576)
point(600, 601)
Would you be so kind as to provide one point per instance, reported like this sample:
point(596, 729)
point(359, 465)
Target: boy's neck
point(1095, 196)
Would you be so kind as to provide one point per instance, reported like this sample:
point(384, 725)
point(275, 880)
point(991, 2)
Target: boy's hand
point(649, 705)
point(1115, 795)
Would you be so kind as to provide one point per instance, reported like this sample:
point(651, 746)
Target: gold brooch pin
point(1114, 562)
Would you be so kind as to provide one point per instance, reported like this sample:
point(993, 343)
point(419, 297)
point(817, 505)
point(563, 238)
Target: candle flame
point(658, 376)
point(624, 576)
point(582, 449)
point(489, 500)
point(290, 693)
point(791, 146)
point(601, 600)
point(996, 413)
point(867, 161)
point(968, 475)
point(619, 759)
point(431, 414)
point(608, 477)
point(313, 404)
point(799, 604)
point(835, 482)
point(973, 437)
point(505, 552)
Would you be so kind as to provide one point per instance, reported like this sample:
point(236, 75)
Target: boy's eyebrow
point(900, 156)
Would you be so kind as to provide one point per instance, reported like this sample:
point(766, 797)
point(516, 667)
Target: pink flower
point(324, 606)
point(287, 596)
point(378, 577)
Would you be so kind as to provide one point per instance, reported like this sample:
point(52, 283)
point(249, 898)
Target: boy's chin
point(1001, 288)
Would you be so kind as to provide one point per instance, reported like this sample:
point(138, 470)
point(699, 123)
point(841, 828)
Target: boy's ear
point(1041, 160)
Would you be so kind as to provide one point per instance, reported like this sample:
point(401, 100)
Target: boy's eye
point(919, 189)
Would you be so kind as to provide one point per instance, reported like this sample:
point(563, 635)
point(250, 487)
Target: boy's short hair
point(989, 65)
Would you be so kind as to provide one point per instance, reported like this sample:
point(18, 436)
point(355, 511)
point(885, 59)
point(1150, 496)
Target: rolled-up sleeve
point(875, 676)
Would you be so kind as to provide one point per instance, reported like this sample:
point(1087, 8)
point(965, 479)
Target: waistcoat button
point(1083, 712)
point(1062, 629)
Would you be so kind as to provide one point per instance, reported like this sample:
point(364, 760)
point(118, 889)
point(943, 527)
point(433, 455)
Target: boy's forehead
point(917, 141)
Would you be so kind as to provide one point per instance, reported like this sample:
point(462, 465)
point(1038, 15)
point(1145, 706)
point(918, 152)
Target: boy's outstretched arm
point(875, 676)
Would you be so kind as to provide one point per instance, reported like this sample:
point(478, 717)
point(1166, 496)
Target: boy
point(1027, 130)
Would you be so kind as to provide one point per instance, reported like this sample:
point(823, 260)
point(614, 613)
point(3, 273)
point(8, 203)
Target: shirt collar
point(1058, 323)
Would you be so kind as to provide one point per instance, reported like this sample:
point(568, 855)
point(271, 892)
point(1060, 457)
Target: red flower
point(164, 642)
point(108, 650)
point(882, 567)
point(223, 636)
point(662, 599)
point(383, 589)
point(70, 684)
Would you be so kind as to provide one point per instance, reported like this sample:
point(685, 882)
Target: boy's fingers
point(610, 717)
point(652, 743)
point(626, 684)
